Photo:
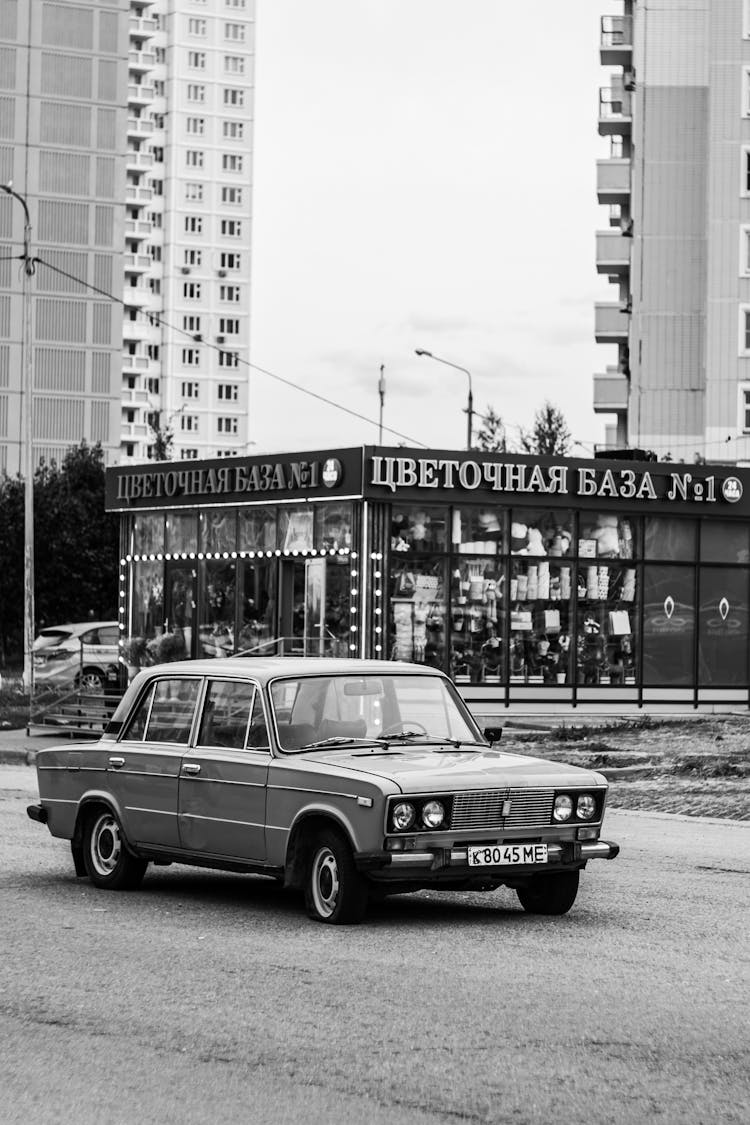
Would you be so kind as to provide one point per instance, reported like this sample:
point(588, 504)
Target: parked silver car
point(82, 655)
point(348, 779)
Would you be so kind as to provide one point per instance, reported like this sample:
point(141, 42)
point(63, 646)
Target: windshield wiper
point(337, 740)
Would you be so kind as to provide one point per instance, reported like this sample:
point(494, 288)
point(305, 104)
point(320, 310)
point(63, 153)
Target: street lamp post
point(470, 403)
point(27, 435)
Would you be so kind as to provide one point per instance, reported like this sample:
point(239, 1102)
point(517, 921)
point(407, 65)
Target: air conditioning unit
point(185, 270)
point(219, 339)
point(222, 273)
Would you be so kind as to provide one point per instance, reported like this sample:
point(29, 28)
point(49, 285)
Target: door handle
point(191, 767)
point(117, 763)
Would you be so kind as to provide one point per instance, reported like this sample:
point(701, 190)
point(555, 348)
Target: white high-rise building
point(126, 127)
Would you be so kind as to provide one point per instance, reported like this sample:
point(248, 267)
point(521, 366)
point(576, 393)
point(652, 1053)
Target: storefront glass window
point(534, 532)
point(607, 536)
point(148, 533)
point(668, 625)
point(333, 526)
point(418, 611)
point(724, 542)
point(182, 532)
point(539, 601)
point(606, 636)
point(478, 531)
point(418, 529)
point(148, 599)
point(476, 622)
point(216, 609)
point(669, 539)
point(218, 530)
point(296, 528)
point(257, 529)
point(722, 627)
point(258, 612)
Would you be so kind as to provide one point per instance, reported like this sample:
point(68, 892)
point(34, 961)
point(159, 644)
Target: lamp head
point(421, 351)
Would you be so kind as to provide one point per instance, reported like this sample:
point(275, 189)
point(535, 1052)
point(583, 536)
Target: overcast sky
point(424, 177)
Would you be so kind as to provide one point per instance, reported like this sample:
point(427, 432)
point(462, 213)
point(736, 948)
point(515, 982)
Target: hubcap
point(325, 882)
point(106, 845)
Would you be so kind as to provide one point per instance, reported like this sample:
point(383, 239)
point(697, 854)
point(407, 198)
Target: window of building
point(152, 385)
point(745, 18)
point(193, 225)
point(234, 96)
point(158, 153)
point(234, 64)
point(190, 390)
point(229, 293)
point(229, 359)
point(196, 27)
point(231, 162)
point(130, 416)
point(158, 120)
point(744, 408)
point(233, 130)
point(129, 449)
point(191, 323)
point(191, 290)
point(159, 88)
point(196, 93)
point(744, 255)
point(234, 3)
point(154, 252)
point(231, 195)
point(194, 192)
point(189, 454)
point(196, 125)
point(745, 330)
point(194, 158)
point(197, 60)
point(231, 228)
point(189, 423)
point(192, 257)
point(227, 425)
point(235, 32)
point(160, 55)
point(228, 392)
point(191, 357)
point(230, 260)
point(229, 326)
point(152, 351)
point(154, 285)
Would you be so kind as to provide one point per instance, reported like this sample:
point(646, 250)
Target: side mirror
point(492, 734)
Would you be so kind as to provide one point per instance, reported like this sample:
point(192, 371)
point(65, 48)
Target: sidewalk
point(18, 748)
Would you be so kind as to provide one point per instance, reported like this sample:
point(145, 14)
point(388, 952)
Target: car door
point(223, 778)
point(143, 767)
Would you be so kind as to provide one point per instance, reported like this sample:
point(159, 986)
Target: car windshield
point(346, 709)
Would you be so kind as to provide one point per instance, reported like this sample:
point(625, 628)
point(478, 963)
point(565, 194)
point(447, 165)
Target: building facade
point(126, 126)
point(676, 110)
point(535, 583)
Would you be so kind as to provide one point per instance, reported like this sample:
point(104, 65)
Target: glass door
point(180, 607)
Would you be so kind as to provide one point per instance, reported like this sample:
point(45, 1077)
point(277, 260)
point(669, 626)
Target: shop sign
point(572, 480)
point(238, 480)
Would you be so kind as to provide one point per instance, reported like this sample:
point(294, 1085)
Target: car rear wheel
point(90, 680)
point(549, 894)
point(108, 862)
point(335, 892)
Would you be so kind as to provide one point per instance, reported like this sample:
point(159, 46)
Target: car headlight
point(433, 814)
point(585, 806)
point(563, 807)
point(403, 815)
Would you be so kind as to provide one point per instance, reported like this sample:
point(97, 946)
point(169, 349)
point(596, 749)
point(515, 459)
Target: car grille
point(528, 808)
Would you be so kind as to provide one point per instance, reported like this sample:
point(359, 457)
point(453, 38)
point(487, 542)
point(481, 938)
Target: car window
point(91, 637)
point(51, 637)
point(227, 710)
point(109, 635)
point(165, 713)
point(257, 735)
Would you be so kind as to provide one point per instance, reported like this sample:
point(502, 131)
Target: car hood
point(419, 770)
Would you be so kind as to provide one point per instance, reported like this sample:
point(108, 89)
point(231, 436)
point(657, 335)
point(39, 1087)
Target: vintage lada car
point(347, 779)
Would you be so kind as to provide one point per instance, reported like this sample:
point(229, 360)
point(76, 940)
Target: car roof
point(266, 668)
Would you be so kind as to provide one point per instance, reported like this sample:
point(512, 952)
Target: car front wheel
point(549, 894)
point(108, 862)
point(335, 892)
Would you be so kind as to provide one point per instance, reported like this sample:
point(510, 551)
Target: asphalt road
point(208, 997)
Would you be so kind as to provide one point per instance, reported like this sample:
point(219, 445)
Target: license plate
point(496, 855)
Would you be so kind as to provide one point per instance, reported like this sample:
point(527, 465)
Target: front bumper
point(453, 861)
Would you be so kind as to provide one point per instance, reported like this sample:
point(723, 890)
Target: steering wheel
point(402, 727)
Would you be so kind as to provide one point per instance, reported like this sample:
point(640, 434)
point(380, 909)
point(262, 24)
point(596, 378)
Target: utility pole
point(27, 447)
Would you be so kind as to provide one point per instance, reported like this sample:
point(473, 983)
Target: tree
point(76, 547)
point(492, 435)
point(550, 433)
point(161, 447)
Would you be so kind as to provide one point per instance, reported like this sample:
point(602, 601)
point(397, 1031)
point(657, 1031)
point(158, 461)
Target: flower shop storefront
point(535, 583)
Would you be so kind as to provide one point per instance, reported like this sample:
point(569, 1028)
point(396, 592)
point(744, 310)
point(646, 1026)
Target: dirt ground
point(696, 767)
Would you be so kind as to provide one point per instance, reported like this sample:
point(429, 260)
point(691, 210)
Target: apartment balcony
point(140, 94)
point(135, 364)
point(611, 390)
point(139, 62)
point(136, 331)
point(132, 431)
point(130, 398)
point(137, 229)
point(136, 263)
point(615, 111)
point(613, 181)
point(137, 196)
point(616, 41)
point(141, 28)
point(140, 127)
point(613, 252)
point(139, 161)
point(611, 323)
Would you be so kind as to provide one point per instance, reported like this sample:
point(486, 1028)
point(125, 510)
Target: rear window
point(48, 638)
